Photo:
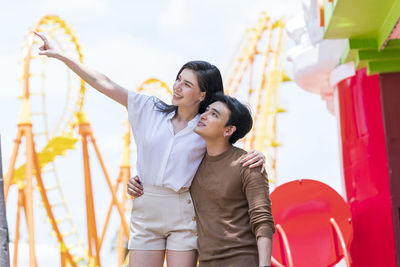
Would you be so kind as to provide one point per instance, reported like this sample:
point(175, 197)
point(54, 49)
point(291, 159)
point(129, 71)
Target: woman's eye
point(214, 114)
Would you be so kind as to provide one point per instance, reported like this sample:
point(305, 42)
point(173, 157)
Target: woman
point(168, 155)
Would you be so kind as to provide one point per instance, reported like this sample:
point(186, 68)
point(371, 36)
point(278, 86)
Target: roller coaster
point(255, 72)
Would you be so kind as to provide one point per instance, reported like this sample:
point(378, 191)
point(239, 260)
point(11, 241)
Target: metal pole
point(4, 248)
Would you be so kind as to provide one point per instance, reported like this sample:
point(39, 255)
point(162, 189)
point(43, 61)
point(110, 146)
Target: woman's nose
point(179, 86)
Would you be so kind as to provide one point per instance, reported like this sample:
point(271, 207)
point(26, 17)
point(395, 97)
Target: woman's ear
point(202, 96)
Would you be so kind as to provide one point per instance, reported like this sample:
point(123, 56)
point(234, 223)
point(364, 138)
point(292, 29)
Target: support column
point(389, 84)
point(4, 242)
point(365, 169)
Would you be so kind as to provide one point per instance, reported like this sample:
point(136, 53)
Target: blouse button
point(188, 201)
point(193, 218)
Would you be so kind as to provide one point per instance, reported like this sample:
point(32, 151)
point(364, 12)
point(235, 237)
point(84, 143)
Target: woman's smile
point(177, 96)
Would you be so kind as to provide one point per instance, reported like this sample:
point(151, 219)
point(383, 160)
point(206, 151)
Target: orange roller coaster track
point(256, 73)
point(64, 140)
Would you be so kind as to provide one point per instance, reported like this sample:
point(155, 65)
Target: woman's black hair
point(209, 80)
point(240, 116)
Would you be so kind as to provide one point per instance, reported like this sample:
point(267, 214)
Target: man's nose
point(203, 116)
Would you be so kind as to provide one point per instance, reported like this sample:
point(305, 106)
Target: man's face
point(212, 122)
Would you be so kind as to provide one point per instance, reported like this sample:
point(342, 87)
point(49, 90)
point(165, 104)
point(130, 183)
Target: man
point(232, 203)
point(233, 213)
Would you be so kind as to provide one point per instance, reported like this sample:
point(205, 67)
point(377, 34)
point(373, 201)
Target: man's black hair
point(240, 116)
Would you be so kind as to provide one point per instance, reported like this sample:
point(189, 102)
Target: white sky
point(131, 41)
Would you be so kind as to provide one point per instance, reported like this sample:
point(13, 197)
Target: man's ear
point(229, 130)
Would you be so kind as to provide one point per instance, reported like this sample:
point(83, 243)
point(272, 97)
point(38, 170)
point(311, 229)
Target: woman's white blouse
point(163, 158)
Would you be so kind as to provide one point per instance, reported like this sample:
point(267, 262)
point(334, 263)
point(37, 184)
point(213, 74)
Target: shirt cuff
point(265, 231)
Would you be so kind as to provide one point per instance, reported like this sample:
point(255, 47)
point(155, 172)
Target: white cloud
point(92, 7)
point(175, 16)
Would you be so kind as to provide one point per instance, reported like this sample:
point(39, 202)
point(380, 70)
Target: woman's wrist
point(61, 56)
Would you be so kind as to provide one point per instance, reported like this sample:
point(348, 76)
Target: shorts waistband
point(161, 190)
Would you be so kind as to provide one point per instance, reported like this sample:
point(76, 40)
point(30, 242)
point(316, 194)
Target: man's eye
point(187, 84)
point(214, 114)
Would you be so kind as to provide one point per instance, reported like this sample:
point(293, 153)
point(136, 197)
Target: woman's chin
point(174, 102)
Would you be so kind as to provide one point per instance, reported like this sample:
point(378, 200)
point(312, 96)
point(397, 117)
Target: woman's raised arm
point(97, 80)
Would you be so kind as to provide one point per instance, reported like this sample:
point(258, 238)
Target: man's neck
point(217, 147)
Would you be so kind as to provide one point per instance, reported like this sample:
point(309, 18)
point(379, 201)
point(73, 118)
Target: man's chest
point(218, 182)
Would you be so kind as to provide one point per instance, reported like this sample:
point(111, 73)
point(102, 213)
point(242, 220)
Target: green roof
point(367, 25)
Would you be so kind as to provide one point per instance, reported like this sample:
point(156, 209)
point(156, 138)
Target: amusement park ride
point(349, 53)
point(315, 225)
point(261, 45)
point(254, 76)
point(41, 163)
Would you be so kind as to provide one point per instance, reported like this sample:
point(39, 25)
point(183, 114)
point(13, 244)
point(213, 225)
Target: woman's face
point(186, 90)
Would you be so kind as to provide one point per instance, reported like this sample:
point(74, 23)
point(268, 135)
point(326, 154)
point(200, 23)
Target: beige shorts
point(163, 219)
